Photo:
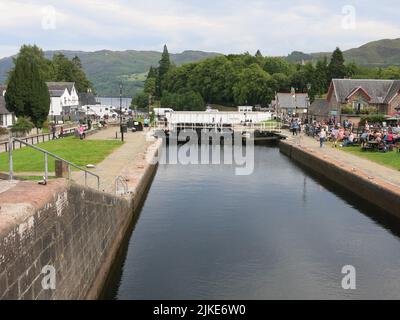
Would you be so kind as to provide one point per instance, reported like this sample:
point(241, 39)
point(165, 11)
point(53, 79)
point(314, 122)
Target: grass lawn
point(79, 152)
point(389, 159)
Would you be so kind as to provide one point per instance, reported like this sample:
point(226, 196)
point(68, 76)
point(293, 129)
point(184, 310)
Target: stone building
point(360, 96)
point(292, 103)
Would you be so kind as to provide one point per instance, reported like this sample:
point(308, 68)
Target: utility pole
point(150, 101)
point(120, 112)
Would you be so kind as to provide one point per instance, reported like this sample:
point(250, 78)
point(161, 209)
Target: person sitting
point(349, 141)
point(378, 136)
point(364, 138)
point(388, 138)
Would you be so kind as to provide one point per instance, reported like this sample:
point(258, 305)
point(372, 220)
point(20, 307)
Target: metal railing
point(46, 153)
point(248, 126)
point(120, 181)
point(40, 138)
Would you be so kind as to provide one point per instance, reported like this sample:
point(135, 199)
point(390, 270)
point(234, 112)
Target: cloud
point(227, 26)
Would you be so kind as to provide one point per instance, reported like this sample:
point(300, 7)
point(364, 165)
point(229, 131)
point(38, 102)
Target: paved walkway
point(113, 166)
point(371, 169)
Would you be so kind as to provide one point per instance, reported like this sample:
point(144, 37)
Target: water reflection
point(281, 233)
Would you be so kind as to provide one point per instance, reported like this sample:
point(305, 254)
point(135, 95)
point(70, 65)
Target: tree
point(140, 101)
point(152, 73)
point(276, 65)
point(36, 54)
point(77, 62)
point(259, 54)
point(254, 86)
point(164, 66)
point(337, 68)
point(321, 76)
point(70, 71)
point(186, 101)
point(27, 94)
point(150, 87)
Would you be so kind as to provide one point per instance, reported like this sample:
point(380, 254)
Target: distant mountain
point(107, 68)
point(380, 53)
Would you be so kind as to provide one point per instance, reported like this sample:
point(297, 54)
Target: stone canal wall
point(372, 189)
point(64, 232)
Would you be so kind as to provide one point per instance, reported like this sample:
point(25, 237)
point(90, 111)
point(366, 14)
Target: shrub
point(22, 126)
point(372, 118)
point(3, 131)
point(348, 109)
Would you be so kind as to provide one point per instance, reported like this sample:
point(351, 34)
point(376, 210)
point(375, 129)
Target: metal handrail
point(123, 182)
point(39, 138)
point(46, 154)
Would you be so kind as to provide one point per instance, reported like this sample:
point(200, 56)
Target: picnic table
point(371, 145)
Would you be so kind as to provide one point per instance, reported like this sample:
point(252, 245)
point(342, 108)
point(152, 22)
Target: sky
point(226, 26)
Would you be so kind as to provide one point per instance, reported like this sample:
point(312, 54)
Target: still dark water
point(281, 233)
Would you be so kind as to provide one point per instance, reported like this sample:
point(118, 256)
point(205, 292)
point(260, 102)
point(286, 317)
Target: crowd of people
point(345, 134)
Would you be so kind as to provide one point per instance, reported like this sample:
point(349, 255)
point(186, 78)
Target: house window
point(1, 120)
point(358, 106)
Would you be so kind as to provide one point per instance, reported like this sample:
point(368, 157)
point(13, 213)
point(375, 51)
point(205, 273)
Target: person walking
point(53, 131)
point(81, 132)
point(322, 137)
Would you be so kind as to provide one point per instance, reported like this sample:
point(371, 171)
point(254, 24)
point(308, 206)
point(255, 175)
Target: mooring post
point(10, 157)
point(46, 167)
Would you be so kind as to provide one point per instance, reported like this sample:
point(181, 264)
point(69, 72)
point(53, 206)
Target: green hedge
point(372, 118)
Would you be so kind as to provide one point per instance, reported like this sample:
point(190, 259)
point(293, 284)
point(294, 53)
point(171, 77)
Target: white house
point(6, 117)
point(64, 99)
point(245, 109)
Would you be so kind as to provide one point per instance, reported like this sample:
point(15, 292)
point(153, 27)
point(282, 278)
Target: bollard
point(61, 169)
point(10, 157)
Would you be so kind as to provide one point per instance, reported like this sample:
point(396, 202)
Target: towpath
point(369, 168)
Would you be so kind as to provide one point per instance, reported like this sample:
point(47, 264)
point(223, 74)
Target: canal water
point(280, 233)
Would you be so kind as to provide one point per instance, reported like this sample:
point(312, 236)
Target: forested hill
point(382, 53)
point(106, 69)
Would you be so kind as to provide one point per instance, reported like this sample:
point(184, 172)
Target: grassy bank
point(389, 159)
point(80, 152)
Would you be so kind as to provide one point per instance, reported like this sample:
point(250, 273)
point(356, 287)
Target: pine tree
point(321, 76)
point(164, 66)
point(259, 54)
point(152, 73)
point(337, 68)
point(27, 94)
point(77, 62)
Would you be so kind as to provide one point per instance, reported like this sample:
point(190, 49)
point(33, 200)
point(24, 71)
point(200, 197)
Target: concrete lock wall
point(374, 191)
point(75, 230)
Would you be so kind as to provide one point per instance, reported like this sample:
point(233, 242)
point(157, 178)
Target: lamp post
point(120, 111)
point(309, 86)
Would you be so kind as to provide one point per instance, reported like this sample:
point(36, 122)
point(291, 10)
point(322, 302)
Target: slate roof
point(56, 93)
point(87, 99)
point(58, 86)
point(286, 101)
point(319, 107)
point(3, 109)
point(380, 91)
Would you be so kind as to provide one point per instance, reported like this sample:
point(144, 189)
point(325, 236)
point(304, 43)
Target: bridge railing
point(270, 126)
point(47, 154)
